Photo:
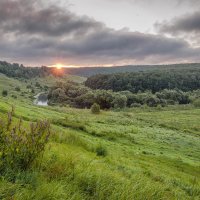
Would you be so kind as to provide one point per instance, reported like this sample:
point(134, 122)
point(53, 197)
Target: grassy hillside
point(37, 84)
point(140, 153)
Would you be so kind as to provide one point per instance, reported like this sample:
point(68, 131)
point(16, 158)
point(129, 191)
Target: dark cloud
point(187, 23)
point(30, 18)
point(35, 32)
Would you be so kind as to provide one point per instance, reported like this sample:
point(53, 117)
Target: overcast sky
point(99, 32)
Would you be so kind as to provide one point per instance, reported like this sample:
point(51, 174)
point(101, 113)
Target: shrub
point(28, 86)
point(14, 96)
point(19, 147)
point(120, 101)
point(136, 105)
point(32, 91)
point(4, 93)
point(95, 108)
point(101, 151)
point(37, 85)
point(152, 101)
point(18, 88)
point(159, 107)
point(196, 103)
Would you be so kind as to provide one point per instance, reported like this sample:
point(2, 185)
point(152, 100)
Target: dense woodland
point(80, 96)
point(150, 88)
point(16, 70)
point(119, 90)
point(154, 81)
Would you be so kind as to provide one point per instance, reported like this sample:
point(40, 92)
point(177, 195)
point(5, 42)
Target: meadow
point(133, 153)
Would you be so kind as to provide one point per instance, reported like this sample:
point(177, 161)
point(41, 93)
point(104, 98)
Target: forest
point(79, 96)
point(119, 90)
point(16, 70)
point(155, 81)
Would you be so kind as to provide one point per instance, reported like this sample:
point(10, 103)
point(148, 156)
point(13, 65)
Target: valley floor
point(131, 154)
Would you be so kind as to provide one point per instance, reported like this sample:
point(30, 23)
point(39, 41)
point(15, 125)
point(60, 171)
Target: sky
point(99, 32)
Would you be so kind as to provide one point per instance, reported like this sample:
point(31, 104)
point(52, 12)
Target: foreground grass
point(132, 154)
point(144, 160)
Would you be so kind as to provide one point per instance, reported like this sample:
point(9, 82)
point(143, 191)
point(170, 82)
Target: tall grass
point(19, 145)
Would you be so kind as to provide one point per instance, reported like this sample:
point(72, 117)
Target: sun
point(59, 66)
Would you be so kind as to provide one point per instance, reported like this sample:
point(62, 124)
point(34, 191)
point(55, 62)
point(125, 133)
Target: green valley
point(131, 153)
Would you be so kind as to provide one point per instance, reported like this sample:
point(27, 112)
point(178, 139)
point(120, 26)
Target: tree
point(4, 93)
point(17, 88)
point(120, 101)
point(152, 101)
point(95, 108)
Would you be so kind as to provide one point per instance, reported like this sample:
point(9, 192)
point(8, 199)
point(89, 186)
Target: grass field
point(139, 153)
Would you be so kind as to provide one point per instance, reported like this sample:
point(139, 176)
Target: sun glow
point(59, 66)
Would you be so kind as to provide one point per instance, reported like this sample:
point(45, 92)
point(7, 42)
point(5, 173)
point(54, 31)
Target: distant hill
point(90, 71)
point(20, 71)
point(16, 70)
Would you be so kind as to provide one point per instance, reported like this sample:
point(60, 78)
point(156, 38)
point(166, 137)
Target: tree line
point(16, 70)
point(90, 71)
point(154, 81)
point(80, 96)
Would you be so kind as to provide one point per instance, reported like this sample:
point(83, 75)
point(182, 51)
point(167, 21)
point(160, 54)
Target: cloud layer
point(185, 24)
point(36, 32)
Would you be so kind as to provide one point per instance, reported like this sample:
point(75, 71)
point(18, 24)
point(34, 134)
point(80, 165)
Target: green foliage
point(19, 71)
point(196, 103)
point(77, 95)
point(19, 147)
point(14, 96)
point(174, 96)
point(136, 105)
point(4, 93)
point(155, 81)
point(17, 89)
point(95, 108)
point(37, 85)
point(101, 150)
point(152, 153)
point(120, 101)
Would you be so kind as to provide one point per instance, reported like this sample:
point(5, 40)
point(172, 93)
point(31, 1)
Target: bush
point(136, 105)
point(101, 151)
point(20, 147)
point(28, 86)
point(32, 91)
point(152, 101)
point(4, 93)
point(95, 108)
point(17, 89)
point(120, 101)
point(196, 103)
point(37, 85)
point(14, 96)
